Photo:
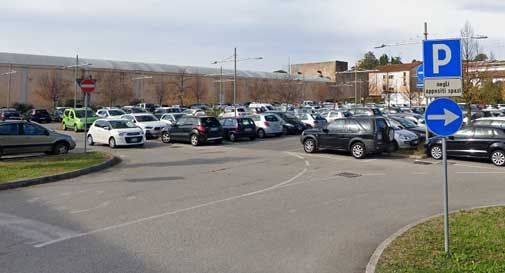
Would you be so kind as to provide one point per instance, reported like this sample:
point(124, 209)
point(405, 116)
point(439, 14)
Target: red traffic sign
point(87, 85)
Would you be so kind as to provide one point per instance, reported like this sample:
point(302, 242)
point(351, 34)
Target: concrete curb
point(374, 260)
point(418, 157)
point(112, 161)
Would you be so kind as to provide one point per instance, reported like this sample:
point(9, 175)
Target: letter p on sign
point(442, 58)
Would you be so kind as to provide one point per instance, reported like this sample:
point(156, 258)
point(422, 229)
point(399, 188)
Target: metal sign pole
point(446, 198)
point(85, 121)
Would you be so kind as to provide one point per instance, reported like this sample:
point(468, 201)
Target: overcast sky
point(197, 32)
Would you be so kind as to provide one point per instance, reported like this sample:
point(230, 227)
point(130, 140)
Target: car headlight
point(404, 137)
point(122, 134)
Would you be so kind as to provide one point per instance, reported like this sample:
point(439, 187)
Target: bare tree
point(199, 88)
point(52, 88)
point(470, 49)
point(161, 90)
point(182, 77)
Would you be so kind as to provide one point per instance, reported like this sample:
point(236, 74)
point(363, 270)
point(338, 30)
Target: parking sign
point(443, 67)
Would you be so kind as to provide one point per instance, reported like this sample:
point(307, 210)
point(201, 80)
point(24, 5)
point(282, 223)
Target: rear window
point(271, 118)
point(212, 122)
point(41, 111)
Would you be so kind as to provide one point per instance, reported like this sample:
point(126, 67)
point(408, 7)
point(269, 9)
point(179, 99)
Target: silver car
point(267, 124)
point(20, 137)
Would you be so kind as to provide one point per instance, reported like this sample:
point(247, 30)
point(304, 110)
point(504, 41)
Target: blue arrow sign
point(443, 117)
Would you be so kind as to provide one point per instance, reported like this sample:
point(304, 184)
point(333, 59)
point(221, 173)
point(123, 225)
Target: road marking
point(419, 173)
point(475, 166)
point(102, 205)
point(369, 160)
point(307, 163)
point(480, 172)
point(133, 197)
point(35, 231)
point(169, 213)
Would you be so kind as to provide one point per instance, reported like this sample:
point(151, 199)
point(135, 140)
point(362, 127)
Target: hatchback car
point(195, 130)
point(159, 112)
point(267, 124)
point(313, 120)
point(115, 132)
point(19, 137)
point(171, 119)
point(291, 123)
point(333, 115)
point(38, 115)
point(58, 114)
point(235, 128)
point(76, 119)
point(474, 141)
point(151, 126)
point(9, 114)
point(359, 135)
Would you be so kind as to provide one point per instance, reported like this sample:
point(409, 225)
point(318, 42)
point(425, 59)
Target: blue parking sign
point(442, 58)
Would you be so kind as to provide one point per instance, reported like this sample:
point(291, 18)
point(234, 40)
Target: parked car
point(312, 120)
point(411, 126)
point(19, 137)
point(38, 115)
point(194, 112)
point(171, 119)
point(495, 122)
point(151, 126)
point(358, 135)
point(291, 124)
point(365, 111)
point(58, 114)
point(115, 132)
point(150, 107)
point(404, 139)
point(235, 128)
point(195, 130)
point(110, 113)
point(267, 124)
point(9, 114)
point(134, 110)
point(166, 110)
point(231, 112)
point(473, 141)
point(76, 119)
point(333, 115)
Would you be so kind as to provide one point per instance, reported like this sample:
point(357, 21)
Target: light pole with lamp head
point(76, 67)
point(9, 73)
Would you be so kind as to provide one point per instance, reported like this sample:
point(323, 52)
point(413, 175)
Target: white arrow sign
point(448, 117)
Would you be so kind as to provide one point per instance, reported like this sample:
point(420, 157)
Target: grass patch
point(477, 245)
point(16, 169)
point(418, 151)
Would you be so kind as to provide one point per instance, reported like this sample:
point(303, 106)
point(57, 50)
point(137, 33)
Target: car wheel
point(285, 131)
point(90, 140)
point(165, 137)
point(358, 150)
point(498, 158)
point(76, 129)
point(60, 149)
point(261, 133)
point(112, 143)
point(232, 137)
point(309, 145)
point(194, 140)
point(396, 147)
point(436, 152)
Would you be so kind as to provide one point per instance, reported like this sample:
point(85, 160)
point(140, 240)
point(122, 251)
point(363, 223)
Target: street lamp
point(234, 60)
point(220, 81)
point(9, 73)
point(76, 66)
point(142, 78)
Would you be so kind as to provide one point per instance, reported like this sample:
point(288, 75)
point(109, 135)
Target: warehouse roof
point(41, 60)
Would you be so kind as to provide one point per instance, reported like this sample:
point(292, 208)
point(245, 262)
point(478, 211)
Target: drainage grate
point(348, 175)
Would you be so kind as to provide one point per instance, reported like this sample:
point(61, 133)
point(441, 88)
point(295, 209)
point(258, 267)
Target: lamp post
point(142, 78)
point(9, 73)
point(235, 61)
point(76, 67)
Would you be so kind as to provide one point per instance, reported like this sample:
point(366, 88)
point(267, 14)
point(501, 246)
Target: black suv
point(38, 115)
point(359, 135)
point(195, 130)
point(235, 128)
point(472, 141)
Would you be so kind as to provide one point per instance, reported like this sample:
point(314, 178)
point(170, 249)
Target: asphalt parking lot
point(262, 206)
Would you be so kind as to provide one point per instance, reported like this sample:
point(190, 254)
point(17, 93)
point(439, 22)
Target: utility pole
point(235, 81)
point(9, 86)
point(75, 79)
point(221, 93)
point(426, 98)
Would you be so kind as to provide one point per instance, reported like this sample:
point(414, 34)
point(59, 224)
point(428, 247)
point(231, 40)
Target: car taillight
point(267, 123)
point(201, 129)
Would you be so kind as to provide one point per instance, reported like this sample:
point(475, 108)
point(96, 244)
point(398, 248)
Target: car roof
point(492, 118)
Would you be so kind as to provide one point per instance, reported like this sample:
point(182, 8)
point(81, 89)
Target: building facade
point(325, 70)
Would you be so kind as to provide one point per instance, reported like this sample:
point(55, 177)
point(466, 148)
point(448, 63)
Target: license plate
point(213, 129)
point(135, 139)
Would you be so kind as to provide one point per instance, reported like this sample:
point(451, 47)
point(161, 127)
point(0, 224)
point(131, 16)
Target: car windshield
point(82, 113)
point(177, 116)
point(116, 112)
point(146, 118)
point(121, 124)
point(317, 117)
point(406, 123)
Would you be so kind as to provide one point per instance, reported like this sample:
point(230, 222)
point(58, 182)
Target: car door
point(36, 138)
point(98, 133)
point(332, 138)
point(10, 139)
point(459, 144)
point(483, 137)
point(71, 119)
point(176, 131)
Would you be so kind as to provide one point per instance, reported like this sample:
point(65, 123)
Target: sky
point(198, 32)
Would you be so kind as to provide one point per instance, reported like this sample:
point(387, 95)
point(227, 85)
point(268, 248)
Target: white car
point(267, 124)
point(492, 121)
point(171, 119)
point(333, 115)
point(312, 120)
point(151, 126)
point(110, 113)
point(229, 112)
point(115, 132)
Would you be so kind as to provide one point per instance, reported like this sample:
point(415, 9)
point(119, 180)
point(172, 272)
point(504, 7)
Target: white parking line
point(476, 166)
point(102, 205)
point(480, 172)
